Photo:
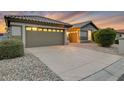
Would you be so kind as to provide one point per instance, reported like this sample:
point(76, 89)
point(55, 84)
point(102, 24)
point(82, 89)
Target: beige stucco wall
point(121, 46)
point(118, 35)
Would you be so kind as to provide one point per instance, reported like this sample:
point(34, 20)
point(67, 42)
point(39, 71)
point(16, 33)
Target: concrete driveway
point(73, 63)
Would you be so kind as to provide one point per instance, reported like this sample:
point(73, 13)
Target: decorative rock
point(26, 68)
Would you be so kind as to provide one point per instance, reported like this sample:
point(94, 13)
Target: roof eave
point(9, 18)
point(120, 32)
point(6, 20)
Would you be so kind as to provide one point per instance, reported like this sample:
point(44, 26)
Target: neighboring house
point(120, 34)
point(3, 36)
point(37, 31)
point(81, 32)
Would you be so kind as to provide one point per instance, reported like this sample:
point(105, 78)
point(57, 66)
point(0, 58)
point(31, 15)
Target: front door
point(74, 37)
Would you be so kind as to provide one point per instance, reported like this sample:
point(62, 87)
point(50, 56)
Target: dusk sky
point(101, 19)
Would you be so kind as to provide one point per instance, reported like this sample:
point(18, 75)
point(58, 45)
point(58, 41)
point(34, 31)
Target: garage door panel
point(36, 39)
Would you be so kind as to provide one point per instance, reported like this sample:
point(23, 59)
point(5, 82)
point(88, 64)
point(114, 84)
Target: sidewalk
point(110, 73)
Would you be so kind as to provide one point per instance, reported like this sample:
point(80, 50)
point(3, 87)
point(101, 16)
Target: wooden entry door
point(74, 37)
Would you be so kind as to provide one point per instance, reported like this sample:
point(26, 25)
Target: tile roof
point(36, 19)
point(82, 24)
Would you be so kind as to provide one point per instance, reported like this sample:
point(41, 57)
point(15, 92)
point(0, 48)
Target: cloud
point(101, 18)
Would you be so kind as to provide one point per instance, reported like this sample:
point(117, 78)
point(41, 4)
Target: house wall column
point(23, 35)
point(66, 41)
point(9, 32)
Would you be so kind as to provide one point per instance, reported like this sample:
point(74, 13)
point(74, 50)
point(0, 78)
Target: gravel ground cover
point(27, 68)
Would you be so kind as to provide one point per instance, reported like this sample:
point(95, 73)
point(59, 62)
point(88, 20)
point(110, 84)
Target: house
point(37, 31)
point(1, 34)
point(81, 32)
point(120, 34)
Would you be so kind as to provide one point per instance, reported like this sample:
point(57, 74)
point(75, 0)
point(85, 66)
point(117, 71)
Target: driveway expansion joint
point(104, 69)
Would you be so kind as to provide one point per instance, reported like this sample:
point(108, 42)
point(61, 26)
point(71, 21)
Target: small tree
point(105, 37)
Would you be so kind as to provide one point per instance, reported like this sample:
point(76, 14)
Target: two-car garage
point(44, 38)
point(36, 31)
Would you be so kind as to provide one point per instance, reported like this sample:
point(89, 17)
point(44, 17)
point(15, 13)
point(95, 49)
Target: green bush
point(92, 36)
point(11, 49)
point(105, 37)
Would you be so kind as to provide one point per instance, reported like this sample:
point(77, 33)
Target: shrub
point(105, 37)
point(11, 49)
point(92, 36)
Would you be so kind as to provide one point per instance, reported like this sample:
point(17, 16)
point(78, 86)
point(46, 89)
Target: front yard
point(26, 68)
point(30, 68)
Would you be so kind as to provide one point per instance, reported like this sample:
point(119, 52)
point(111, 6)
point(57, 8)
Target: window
point(40, 29)
point(83, 35)
point(54, 30)
point(49, 30)
point(61, 30)
point(45, 30)
point(16, 30)
point(34, 28)
point(57, 30)
point(28, 28)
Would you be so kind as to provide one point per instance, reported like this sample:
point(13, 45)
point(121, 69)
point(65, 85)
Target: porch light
point(67, 33)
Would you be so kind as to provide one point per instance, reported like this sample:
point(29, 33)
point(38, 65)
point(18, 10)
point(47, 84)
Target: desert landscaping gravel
point(27, 68)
